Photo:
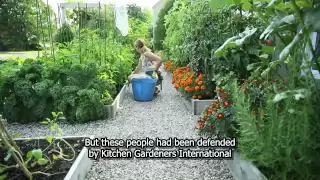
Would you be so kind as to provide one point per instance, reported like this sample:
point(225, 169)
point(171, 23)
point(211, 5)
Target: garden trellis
point(89, 24)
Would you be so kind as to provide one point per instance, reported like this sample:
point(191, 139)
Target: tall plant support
point(89, 17)
point(82, 26)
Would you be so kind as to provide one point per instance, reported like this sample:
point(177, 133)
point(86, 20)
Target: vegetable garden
point(82, 67)
point(259, 62)
point(255, 61)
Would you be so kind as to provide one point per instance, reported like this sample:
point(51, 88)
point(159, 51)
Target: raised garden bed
point(243, 170)
point(113, 108)
point(75, 169)
point(196, 106)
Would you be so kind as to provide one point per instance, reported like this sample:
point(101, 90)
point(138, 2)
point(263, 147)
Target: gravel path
point(164, 117)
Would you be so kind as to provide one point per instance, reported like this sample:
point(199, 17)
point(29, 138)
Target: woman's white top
point(146, 65)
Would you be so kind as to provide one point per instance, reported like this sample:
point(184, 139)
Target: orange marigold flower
point(220, 115)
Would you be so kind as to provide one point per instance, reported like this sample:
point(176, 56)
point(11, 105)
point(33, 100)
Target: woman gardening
point(149, 64)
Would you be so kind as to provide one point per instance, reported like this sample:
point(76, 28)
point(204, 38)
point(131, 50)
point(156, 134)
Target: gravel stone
point(164, 117)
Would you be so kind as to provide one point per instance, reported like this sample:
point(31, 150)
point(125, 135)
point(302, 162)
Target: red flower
point(201, 126)
point(223, 95)
point(226, 103)
point(245, 90)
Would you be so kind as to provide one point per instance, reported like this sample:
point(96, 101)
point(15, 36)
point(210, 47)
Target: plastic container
point(143, 89)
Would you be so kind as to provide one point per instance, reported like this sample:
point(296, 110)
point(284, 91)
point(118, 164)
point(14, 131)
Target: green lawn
point(21, 54)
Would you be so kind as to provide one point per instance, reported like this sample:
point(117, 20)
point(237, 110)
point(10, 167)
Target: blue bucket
point(143, 88)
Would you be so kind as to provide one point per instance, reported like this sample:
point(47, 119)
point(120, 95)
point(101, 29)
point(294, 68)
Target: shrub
point(279, 125)
point(195, 32)
point(64, 34)
point(37, 89)
point(160, 29)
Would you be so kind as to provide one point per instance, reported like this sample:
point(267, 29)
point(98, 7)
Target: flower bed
point(196, 89)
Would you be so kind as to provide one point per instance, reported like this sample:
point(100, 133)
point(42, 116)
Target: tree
point(160, 30)
point(135, 11)
point(24, 23)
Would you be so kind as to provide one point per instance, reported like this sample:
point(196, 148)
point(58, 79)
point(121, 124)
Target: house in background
point(156, 8)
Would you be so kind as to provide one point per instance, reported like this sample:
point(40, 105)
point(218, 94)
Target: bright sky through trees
point(142, 3)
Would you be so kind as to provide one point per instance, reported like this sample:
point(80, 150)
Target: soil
point(58, 168)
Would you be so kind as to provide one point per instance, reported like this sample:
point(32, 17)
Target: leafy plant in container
point(48, 158)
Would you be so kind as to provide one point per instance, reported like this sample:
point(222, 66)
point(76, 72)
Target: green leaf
point(237, 1)
point(62, 118)
point(54, 114)
point(245, 35)
point(265, 72)
point(216, 4)
point(287, 50)
point(264, 56)
point(55, 157)
point(291, 111)
point(49, 139)
point(15, 135)
point(304, 3)
point(290, 19)
point(253, 65)
point(228, 44)
point(42, 161)
point(37, 153)
point(272, 3)
point(60, 131)
point(44, 122)
point(29, 154)
point(267, 49)
point(235, 41)
point(311, 18)
point(3, 177)
point(279, 97)
point(273, 64)
point(299, 96)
